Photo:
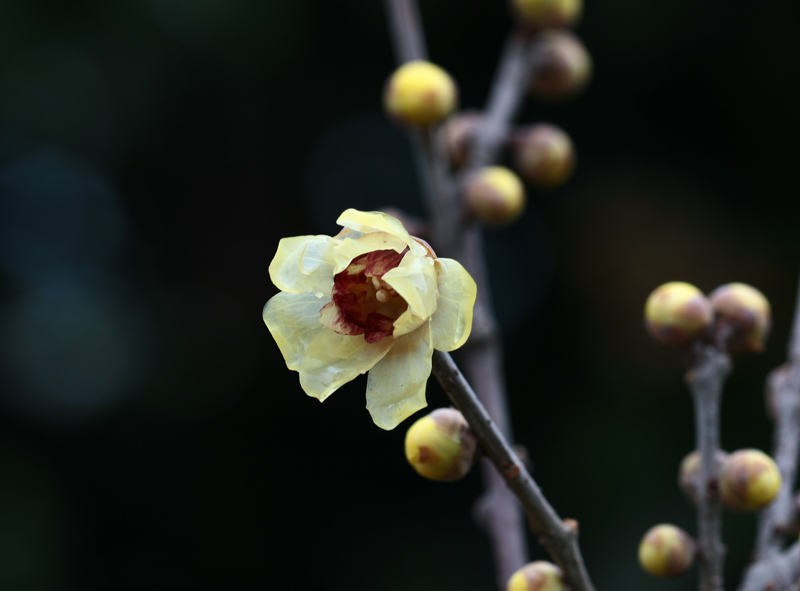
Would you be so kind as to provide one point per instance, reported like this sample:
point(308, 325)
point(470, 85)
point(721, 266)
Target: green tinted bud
point(676, 314)
point(441, 445)
point(536, 576)
point(561, 66)
point(545, 155)
point(420, 93)
point(744, 312)
point(749, 480)
point(546, 14)
point(666, 551)
point(495, 195)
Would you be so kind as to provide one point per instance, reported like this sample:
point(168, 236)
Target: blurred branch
point(709, 369)
point(559, 537)
point(783, 391)
point(779, 572)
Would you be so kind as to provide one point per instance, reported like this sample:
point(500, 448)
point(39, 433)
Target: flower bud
point(536, 576)
point(495, 195)
point(561, 66)
point(544, 155)
point(420, 93)
point(458, 132)
point(745, 313)
point(749, 480)
point(676, 314)
point(546, 14)
point(441, 445)
point(666, 551)
point(689, 473)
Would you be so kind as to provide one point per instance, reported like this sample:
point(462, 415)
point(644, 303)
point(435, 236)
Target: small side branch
point(705, 379)
point(779, 572)
point(783, 387)
point(559, 537)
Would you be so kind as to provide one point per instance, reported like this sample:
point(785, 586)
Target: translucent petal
point(293, 320)
point(452, 322)
point(396, 385)
point(332, 360)
point(304, 264)
point(350, 249)
point(376, 221)
point(416, 280)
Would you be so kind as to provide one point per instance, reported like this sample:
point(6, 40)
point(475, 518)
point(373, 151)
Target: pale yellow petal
point(350, 248)
point(293, 320)
point(304, 264)
point(332, 360)
point(396, 385)
point(416, 280)
point(376, 221)
point(452, 322)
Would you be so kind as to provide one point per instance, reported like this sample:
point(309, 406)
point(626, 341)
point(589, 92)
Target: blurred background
point(152, 154)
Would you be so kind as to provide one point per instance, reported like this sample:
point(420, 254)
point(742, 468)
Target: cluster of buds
point(735, 317)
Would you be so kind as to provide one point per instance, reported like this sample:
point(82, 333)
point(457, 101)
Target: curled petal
point(304, 264)
point(452, 322)
point(331, 360)
point(396, 385)
point(293, 320)
point(351, 248)
point(416, 280)
point(376, 221)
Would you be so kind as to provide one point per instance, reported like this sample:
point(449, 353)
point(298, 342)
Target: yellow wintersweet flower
point(370, 299)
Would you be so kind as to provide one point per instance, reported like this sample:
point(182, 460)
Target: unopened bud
point(666, 551)
point(545, 155)
point(676, 314)
point(537, 576)
point(441, 445)
point(744, 313)
point(561, 66)
point(458, 133)
point(749, 480)
point(420, 93)
point(689, 473)
point(495, 195)
point(546, 14)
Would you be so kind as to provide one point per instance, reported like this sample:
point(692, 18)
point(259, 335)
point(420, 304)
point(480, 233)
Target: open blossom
point(371, 299)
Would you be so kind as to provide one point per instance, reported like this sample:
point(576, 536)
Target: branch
point(783, 386)
point(705, 379)
point(560, 537)
point(779, 572)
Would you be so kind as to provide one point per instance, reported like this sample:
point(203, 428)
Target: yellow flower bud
point(544, 155)
point(561, 66)
point(420, 93)
point(545, 14)
point(536, 576)
point(676, 314)
point(745, 312)
point(441, 445)
point(689, 473)
point(495, 195)
point(666, 551)
point(749, 480)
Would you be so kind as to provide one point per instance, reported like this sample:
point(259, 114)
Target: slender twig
point(705, 378)
point(779, 572)
point(783, 387)
point(560, 537)
point(406, 30)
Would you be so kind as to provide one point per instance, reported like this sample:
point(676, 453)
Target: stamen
point(382, 296)
point(376, 282)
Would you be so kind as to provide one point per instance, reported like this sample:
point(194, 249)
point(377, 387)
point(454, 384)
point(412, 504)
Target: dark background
point(152, 154)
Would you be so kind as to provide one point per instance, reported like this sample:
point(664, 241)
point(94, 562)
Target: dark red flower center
point(361, 301)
